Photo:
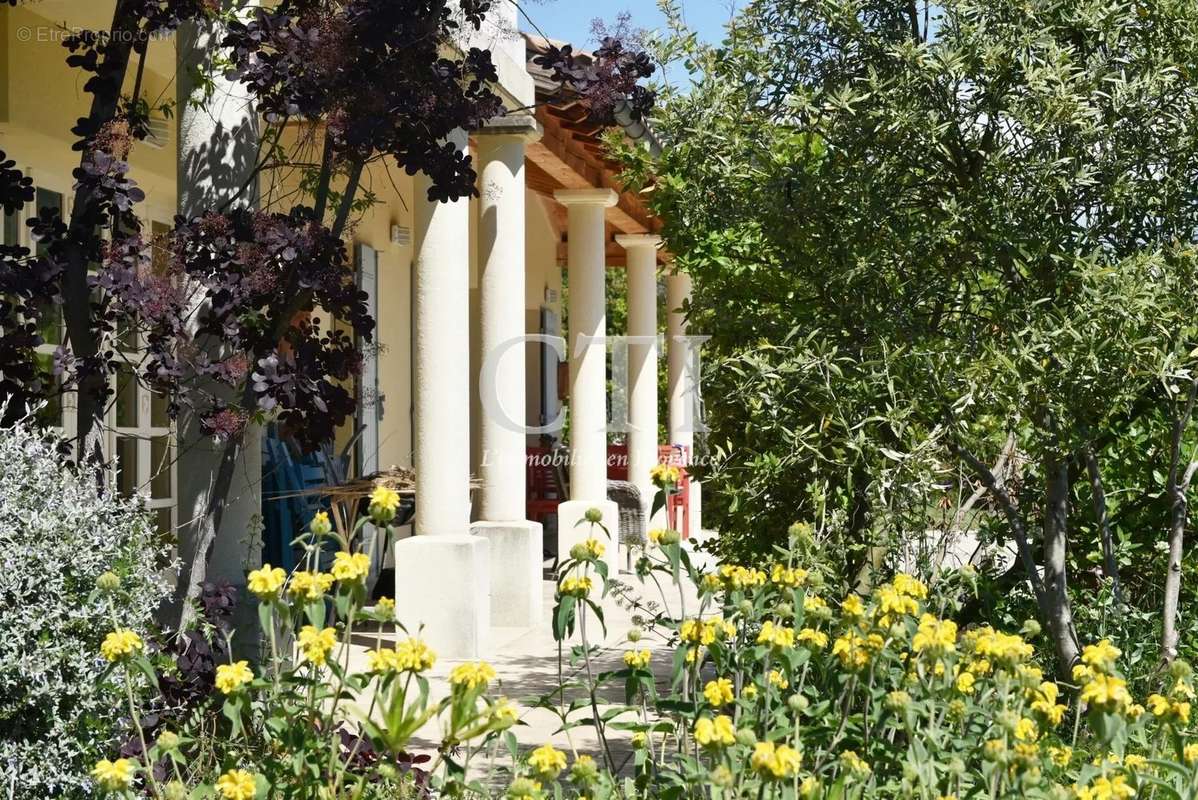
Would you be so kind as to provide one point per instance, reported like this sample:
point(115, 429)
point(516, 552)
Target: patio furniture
point(678, 502)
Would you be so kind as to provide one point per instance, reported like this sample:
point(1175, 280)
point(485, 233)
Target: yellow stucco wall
point(42, 98)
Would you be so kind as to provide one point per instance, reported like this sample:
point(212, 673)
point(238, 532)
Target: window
point(140, 443)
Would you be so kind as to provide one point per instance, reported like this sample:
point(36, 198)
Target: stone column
point(587, 351)
point(217, 149)
point(642, 359)
point(516, 543)
point(683, 386)
point(442, 573)
point(682, 401)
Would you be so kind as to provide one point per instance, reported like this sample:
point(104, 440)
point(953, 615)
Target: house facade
point(491, 323)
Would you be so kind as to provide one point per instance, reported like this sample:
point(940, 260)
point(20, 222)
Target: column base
point(573, 528)
point(443, 582)
point(516, 562)
point(696, 500)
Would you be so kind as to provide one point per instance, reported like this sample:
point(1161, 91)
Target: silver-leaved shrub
point(59, 532)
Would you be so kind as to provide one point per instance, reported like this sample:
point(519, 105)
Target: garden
point(946, 258)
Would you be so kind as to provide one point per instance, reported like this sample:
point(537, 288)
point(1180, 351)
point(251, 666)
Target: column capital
point(586, 197)
point(631, 240)
point(519, 126)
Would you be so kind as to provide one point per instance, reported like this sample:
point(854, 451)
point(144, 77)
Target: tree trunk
point(1056, 595)
point(1110, 566)
point(1178, 505)
point(81, 331)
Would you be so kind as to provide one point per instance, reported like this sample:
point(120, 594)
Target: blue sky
point(570, 20)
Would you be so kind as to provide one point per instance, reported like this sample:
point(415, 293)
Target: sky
point(570, 20)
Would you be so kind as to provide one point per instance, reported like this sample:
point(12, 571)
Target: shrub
point(774, 692)
point(59, 532)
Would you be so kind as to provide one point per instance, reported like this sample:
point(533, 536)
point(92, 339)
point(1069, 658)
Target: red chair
point(617, 462)
point(545, 492)
point(678, 502)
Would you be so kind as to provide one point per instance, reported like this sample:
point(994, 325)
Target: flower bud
point(1007, 720)
point(797, 703)
point(1030, 629)
point(969, 572)
point(746, 737)
point(321, 526)
point(1180, 669)
point(579, 552)
point(175, 791)
point(635, 634)
point(994, 750)
point(785, 610)
point(593, 515)
point(388, 772)
point(168, 741)
point(639, 740)
point(745, 607)
point(897, 700)
point(722, 776)
point(108, 583)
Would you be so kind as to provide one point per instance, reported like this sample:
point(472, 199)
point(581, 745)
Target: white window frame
point(144, 431)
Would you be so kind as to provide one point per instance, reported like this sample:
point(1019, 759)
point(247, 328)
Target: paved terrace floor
point(526, 665)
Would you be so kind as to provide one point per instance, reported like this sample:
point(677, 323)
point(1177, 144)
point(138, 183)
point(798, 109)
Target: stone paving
point(526, 664)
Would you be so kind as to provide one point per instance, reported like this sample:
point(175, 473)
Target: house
point(455, 388)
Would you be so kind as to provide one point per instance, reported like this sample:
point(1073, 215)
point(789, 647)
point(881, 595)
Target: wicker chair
point(627, 498)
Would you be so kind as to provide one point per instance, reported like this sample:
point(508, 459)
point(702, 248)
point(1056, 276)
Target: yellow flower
point(792, 578)
point(813, 603)
point(594, 548)
point(472, 675)
point(892, 601)
point(777, 679)
point(965, 682)
point(775, 761)
point(910, 586)
point(113, 776)
point(637, 659)
point(1190, 754)
point(1005, 649)
point(547, 762)
point(120, 644)
point(1061, 756)
point(935, 636)
point(1135, 761)
point(1104, 788)
point(320, 524)
point(749, 692)
point(1044, 702)
point(503, 714)
point(1026, 731)
point(315, 644)
point(410, 655)
point(710, 582)
point(576, 587)
point(1172, 710)
point(231, 677)
point(310, 585)
point(663, 475)
point(852, 607)
point(236, 784)
point(350, 567)
point(852, 650)
point(383, 504)
point(779, 637)
point(385, 608)
point(854, 764)
point(1106, 692)
point(738, 578)
point(818, 640)
point(266, 582)
point(719, 732)
point(1101, 657)
point(719, 692)
point(524, 789)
